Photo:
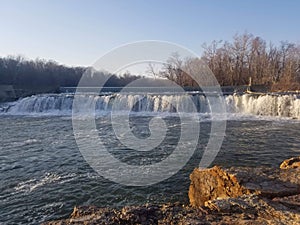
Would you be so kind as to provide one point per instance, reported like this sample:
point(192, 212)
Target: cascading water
point(62, 103)
point(264, 105)
point(40, 104)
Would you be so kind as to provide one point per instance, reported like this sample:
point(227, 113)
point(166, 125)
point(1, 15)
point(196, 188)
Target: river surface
point(43, 174)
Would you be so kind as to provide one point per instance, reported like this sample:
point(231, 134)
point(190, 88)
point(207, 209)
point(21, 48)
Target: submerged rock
point(290, 163)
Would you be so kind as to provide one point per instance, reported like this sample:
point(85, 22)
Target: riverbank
point(238, 195)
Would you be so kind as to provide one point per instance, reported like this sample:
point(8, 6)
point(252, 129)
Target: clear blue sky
point(78, 32)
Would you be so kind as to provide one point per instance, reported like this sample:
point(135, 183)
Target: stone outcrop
point(217, 183)
point(268, 182)
point(252, 209)
point(218, 196)
point(146, 215)
point(244, 195)
point(246, 209)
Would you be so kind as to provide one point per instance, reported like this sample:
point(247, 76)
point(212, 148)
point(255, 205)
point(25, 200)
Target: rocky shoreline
point(238, 195)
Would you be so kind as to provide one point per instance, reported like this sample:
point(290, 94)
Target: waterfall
point(62, 103)
point(265, 105)
point(56, 104)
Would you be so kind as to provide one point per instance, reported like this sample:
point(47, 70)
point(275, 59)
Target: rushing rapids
point(252, 104)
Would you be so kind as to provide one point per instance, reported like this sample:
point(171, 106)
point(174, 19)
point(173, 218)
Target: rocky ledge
point(217, 196)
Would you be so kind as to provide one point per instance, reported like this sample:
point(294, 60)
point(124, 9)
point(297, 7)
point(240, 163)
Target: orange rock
point(213, 183)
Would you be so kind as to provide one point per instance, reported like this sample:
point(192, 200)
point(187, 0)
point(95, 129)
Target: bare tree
point(233, 63)
point(152, 71)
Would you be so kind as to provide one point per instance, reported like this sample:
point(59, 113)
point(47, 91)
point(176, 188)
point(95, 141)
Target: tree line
point(232, 62)
point(49, 75)
point(235, 62)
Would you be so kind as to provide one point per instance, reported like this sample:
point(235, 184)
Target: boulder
point(291, 163)
point(213, 183)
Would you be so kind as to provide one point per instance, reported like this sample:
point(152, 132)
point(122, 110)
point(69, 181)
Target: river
point(43, 174)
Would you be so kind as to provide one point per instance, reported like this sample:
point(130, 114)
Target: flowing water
point(43, 174)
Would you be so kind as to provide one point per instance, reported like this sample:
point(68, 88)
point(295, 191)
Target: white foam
point(265, 105)
point(238, 106)
point(48, 178)
point(31, 141)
